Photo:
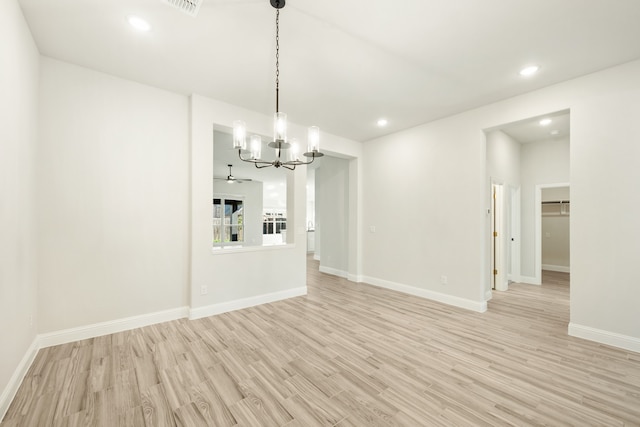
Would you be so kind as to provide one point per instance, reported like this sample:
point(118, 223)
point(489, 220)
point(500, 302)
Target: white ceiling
point(531, 130)
point(344, 64)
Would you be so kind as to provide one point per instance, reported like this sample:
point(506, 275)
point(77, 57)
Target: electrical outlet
point(444, 280)
point(204, 290)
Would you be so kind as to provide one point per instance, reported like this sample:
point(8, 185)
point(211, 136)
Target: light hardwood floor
point(345, 355)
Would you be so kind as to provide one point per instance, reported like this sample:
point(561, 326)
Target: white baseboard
point(558, 268)
point(479, 306)
point(488, 295)
point(12, 387)
point(530, 280)
point(316, 257)
point(354, 278)
point(604, 337)
point(110, 327)
point(224, 307)
point(334, 272)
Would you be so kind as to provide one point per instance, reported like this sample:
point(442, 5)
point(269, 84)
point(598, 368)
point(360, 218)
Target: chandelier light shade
point(280, 127)
point(239, 135)
point(256, 147)
point(287, 152)
point(313, 138)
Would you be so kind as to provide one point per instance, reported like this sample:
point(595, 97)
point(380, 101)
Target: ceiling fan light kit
point(280, 141)
point(230, 179)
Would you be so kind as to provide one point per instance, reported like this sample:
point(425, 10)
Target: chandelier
point(280, 142)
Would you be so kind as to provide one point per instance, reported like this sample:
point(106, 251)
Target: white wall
point(555, 194)
point(542, 162)
point(503, 158)
point(311, 199)
point(332, 214)
point(18, 249)
point(425, 197)
point(438, 173)
point(605, 242)
point(251, 193)
point(113, 193)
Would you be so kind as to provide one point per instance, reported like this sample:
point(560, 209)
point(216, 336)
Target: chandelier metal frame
point(280, 141)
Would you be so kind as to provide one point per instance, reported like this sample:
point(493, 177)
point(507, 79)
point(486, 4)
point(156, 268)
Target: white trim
point(110, 327)
point(515, 278)
point(227, 250)
point(528, 280)
point(488, 295)
point(614, 339)
point(478, 306)
point(15, 381)
point(316, 257)
point(354, 278)
point(558, 268)
point(334, 272)
point(499, 245)
point(516, 233)
point(224, 307)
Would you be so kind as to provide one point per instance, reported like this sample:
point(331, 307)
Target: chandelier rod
point(280, 138)
point(277, 60)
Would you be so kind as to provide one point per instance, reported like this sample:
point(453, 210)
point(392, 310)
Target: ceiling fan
point(232, 179)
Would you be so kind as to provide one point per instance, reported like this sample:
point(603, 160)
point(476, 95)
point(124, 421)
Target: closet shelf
point(556, 208)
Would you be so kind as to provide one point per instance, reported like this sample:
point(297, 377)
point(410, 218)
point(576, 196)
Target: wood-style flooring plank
point(346, 354)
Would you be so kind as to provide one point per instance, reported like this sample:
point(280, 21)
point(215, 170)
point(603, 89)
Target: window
point(274, 223)
point(228, 221)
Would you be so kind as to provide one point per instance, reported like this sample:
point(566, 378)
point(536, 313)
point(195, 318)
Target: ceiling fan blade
point(230, 178)
point(227, 179)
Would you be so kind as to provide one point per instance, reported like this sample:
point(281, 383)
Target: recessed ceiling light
point(529, 71)
point(555, 132)
point(382, 122)
point(138, 23)
point(545, 122)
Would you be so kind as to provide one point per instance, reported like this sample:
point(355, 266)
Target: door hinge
point(495, 272)
point(495, 234)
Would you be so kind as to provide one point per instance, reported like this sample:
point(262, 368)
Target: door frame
point(498, 254)
point(514, 237)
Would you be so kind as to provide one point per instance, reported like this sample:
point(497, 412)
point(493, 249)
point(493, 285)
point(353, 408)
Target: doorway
point(553, 214)
point(523, 158)
point(332, 215)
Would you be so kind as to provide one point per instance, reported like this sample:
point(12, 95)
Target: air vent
point(190, 7)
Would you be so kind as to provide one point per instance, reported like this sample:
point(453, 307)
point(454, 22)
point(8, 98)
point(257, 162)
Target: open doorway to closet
point(328, 214)
point(527, 163)
point(553, 218)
